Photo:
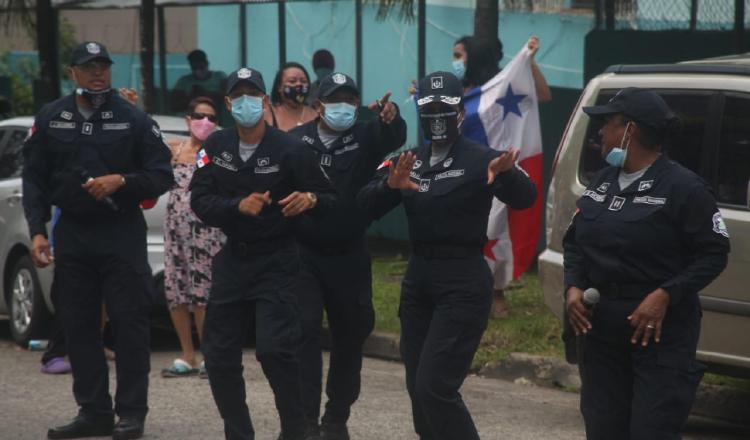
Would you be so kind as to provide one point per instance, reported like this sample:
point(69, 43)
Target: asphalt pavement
point(183, 408)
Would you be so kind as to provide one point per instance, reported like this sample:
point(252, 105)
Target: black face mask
point(440, 126)
point(297, 94)
point(96, 98)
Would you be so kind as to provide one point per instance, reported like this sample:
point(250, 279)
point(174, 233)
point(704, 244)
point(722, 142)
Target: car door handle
point(14, 198)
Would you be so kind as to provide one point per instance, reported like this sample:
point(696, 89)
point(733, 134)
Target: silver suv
point(712, 98)
point(24, 288)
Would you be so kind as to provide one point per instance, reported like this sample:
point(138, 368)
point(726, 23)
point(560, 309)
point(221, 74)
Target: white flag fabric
point(504, 113)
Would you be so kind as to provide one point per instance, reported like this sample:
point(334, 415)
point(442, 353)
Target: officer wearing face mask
point(251, 181)
point(648, 236)
point(96, 156)
point(446, 187)
point(335, 272)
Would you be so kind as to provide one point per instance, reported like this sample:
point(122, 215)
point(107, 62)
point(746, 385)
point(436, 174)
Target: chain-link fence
point(647, 15)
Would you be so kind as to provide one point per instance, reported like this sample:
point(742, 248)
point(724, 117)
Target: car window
point(693, 109)
point(11, 157)
point(734, 152)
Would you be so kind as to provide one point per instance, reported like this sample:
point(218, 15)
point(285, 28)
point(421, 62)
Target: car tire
point(29, 316)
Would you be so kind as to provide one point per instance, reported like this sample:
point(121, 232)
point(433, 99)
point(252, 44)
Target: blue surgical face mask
point(247, 110)
point(617, 155)
point(340, 116)
point(459, 68)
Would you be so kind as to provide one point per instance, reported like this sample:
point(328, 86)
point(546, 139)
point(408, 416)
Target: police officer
point(336, 273)
point(447, 188)
point(648, 236)
point(96, 156)
point(252, 179)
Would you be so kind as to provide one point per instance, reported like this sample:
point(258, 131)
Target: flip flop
point(179, 368)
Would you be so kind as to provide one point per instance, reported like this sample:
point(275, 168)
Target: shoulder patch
point(719, 226)
point(202, 158)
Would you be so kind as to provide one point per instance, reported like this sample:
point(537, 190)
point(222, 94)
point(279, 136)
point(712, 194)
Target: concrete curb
point(712, 401)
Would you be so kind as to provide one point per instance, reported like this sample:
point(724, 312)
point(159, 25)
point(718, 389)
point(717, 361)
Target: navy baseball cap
point(88, 51)
point(335, 81)
point(440, 87)
point(247, 75)
point(640, 105)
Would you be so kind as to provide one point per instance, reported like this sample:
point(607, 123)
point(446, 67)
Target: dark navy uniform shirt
point(664, 230)
point(281, 164)
point(453, 202)
point(350, 162)
point(63, 146)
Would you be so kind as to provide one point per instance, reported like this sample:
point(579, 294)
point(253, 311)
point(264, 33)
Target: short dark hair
point(195, 102)
point(482, 58)
point(275, 95)
point(323, 58)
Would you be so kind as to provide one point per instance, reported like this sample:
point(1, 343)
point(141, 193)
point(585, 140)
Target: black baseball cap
point(247, 75)
point(87, 51)
point(640, 105)
point(334, 81)
point(440, 87)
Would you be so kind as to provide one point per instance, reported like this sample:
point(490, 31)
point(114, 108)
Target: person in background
point(479, 59)
point(323, 65)
point(289, 92)
point(201, 81)
point(189, 245)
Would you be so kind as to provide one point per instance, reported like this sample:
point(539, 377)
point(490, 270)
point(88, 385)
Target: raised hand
point(385, 108)
point(398, 175)
point(501, 164)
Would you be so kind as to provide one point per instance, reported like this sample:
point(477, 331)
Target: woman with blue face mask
point(646, 237)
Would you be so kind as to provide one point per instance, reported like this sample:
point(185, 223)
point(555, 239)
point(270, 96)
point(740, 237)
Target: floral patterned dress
point(189, 245)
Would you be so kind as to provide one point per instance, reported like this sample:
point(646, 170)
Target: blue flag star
point(510, 102)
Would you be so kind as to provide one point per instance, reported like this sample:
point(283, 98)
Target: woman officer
point(648, 236)
point(447, 189)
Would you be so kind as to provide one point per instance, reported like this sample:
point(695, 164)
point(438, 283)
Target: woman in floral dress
point(189, 245)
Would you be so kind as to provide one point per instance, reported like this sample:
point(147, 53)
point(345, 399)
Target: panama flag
point(503, 113)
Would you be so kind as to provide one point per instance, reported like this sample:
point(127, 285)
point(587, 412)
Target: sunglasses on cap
point(198, 115)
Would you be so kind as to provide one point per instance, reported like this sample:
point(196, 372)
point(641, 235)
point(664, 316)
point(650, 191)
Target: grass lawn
point(529, 328)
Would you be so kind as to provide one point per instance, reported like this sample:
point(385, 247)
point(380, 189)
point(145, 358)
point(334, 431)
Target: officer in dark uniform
point(96, 156)
point(252, 179)
point(447, 188)
point(336, 273)
point(648, 235)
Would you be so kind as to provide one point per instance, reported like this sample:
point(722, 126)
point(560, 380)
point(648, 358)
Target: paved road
point(183, 408)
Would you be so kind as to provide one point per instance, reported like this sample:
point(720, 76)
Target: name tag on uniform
point(267, 170)
point(449, 174)
point(118, 126)
point(595, 196)
point(346, 149)
point(650, 200)
point(63, 125)
point(617, 203)
point(218, 161)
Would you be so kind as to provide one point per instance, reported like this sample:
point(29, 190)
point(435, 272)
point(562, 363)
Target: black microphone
point(591, 297)
point(86, 178)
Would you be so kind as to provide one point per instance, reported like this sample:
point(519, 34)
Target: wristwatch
point(313, 198)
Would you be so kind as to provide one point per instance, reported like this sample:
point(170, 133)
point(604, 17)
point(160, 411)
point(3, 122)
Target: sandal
point(179, 368)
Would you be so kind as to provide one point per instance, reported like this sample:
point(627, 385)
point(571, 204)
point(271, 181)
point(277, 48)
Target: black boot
point(333, 431)
point(128, 428)
point(83, 426)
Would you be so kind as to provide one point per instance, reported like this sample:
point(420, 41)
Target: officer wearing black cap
point(252, 179)
point(447, 188)
point(336, 273)
point(648, 236)
point(96, 156)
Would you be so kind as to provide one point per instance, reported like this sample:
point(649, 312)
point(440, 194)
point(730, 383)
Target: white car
point(25, 289)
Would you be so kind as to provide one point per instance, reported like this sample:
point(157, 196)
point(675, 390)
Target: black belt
point(244, 249)
point(626, 290)
point(446, 250)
